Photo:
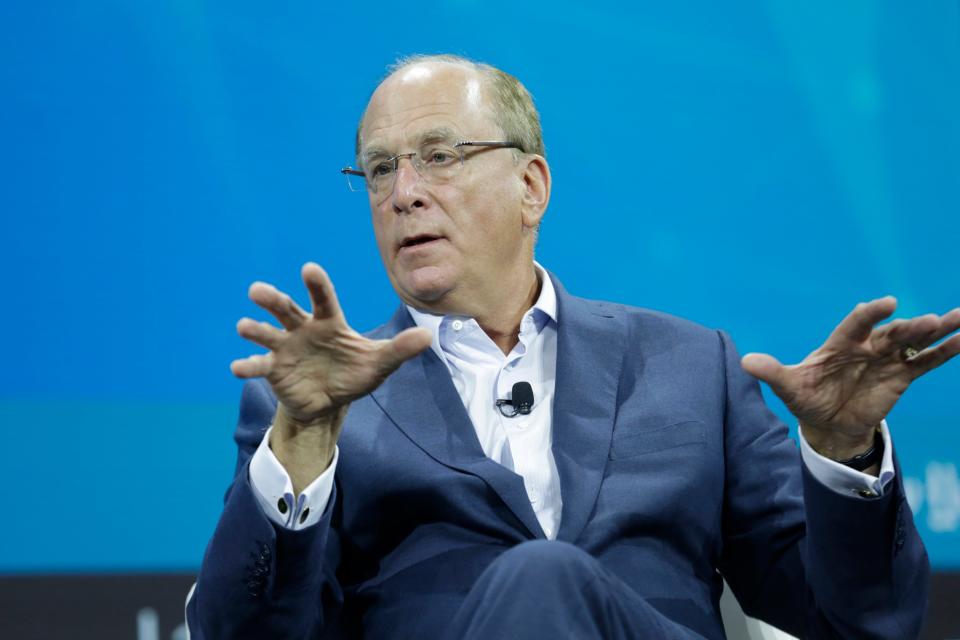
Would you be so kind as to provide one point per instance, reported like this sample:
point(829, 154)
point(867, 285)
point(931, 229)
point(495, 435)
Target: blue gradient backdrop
point(758, 167)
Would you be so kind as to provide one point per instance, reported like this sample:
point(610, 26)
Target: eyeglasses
point(436, 162)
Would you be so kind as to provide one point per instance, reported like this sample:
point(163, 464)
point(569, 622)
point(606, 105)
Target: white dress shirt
point(481, 374)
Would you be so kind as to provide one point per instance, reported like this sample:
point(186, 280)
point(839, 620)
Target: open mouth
point(419, 240)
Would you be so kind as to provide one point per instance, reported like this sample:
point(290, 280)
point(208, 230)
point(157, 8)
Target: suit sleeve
point(259, 579)
point(801, 556)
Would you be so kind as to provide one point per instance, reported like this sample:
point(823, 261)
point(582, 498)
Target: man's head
point(480, 214)
point(511, 104)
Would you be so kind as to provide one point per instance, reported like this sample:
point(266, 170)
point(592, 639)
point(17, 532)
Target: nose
point(408, 192)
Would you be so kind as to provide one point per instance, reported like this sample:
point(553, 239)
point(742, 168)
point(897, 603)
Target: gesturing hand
point(841, 391)
point(317, 364)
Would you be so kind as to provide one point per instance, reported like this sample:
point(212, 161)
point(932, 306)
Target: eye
point(440, 157)
point(381, 169)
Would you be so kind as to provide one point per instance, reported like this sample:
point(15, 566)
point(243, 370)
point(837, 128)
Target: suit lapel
point(422, 402)
point(589, 359)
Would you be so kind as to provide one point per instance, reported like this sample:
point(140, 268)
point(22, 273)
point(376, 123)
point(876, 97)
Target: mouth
point(419, 240)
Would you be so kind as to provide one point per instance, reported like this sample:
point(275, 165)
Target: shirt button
point(304, 514)
point(457, 325)
point(863, 493)
point(521, 424)
point(534, 495)
point(282, 505)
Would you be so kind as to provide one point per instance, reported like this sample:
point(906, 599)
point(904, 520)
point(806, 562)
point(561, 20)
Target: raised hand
point(317, 363)
point(316, 366)
point(842, 391)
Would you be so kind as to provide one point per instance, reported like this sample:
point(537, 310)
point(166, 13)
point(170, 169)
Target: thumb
point(404, 346)
point(765, 367)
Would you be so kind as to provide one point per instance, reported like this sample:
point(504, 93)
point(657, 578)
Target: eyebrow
point(431, 135)
point(438, 133)
point(374, 153)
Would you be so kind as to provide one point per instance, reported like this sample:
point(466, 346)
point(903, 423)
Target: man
point(393, 497)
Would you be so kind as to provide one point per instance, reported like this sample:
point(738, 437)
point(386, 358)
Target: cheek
point(494, 212)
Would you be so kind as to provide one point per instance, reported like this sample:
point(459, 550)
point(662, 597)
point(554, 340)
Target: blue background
point(758, 167)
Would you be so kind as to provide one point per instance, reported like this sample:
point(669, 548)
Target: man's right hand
point(316, 366)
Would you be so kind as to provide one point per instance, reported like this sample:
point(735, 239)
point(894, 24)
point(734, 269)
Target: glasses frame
point(491, 144)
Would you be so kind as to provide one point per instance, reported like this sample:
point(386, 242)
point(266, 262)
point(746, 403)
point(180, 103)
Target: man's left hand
point(842, 391)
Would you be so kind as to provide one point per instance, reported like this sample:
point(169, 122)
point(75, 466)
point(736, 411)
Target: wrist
point(305, 449)
point(294, 424)
point(869, 460)
point(839, 446)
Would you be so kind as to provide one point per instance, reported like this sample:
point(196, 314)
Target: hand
point(317, 364)
point(842, 391)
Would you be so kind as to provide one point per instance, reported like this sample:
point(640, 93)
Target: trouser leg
point(549, 589)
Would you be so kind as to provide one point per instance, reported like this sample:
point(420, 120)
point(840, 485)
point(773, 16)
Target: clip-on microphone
point(521, 399)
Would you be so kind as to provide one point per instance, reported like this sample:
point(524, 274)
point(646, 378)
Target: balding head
point(509, 104)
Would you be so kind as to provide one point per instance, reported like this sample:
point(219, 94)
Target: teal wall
point(758, 166)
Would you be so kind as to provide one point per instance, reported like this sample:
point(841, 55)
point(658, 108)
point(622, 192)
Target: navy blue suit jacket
point(673, 472)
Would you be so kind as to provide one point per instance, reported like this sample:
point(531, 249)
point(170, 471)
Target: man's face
point(474, 221)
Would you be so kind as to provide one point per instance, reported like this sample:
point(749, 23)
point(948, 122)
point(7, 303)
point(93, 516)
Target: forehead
point(425, 98)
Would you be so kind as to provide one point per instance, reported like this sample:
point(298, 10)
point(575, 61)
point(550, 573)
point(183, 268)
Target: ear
point(536, 194)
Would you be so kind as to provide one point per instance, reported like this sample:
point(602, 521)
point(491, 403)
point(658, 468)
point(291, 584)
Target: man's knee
point(539, 589)
point(550, 589)
point(546, 560)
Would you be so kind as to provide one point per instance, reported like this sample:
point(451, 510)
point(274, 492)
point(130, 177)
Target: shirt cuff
point(845, 480)
point(274, 490)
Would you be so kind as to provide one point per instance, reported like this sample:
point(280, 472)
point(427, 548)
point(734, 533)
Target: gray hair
point(512, 105)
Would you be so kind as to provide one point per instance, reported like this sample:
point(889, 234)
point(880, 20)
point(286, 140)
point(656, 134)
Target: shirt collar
point(543, 310)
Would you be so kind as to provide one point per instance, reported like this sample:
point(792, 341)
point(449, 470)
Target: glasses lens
point(439, 163)
point(380, 175)
point(436, 163)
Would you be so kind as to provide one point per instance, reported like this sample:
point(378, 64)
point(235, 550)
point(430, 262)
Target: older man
point(404, 490)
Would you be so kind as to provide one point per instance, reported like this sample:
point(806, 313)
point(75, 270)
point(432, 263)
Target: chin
point(427, 284)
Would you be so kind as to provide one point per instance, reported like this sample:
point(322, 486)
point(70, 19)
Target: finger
point(284, 309)
point(949, 322)
point(933, 357)
point(322, 295)
point(859, 323)
point(404, 346)
point(253, 366)
point(916, 332)
point(767, 368)
point(262, 333)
